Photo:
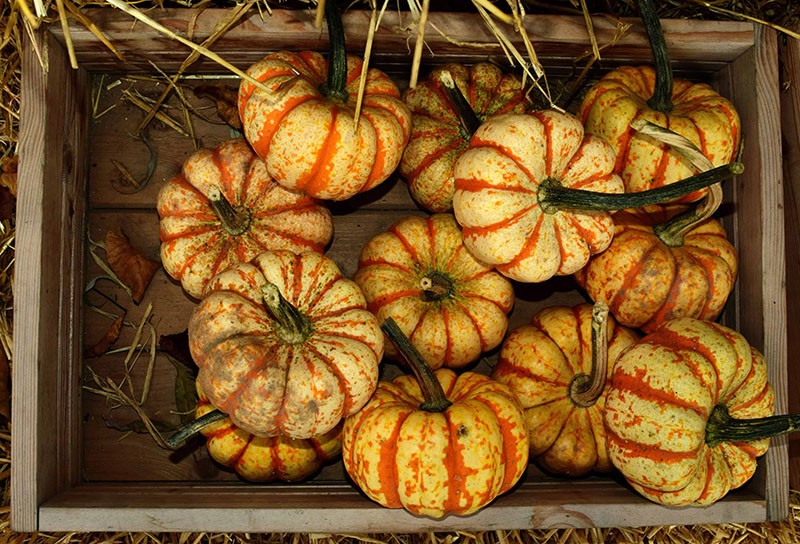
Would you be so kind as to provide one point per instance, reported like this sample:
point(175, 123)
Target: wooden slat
point(448, 36)
point(790, 124)
point(50, 211)
point(340, 509)
point(761, 315)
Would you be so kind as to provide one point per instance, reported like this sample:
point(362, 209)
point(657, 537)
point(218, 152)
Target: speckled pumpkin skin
point(435, 464)
point(497, 205)
point(450, 331)
point(538, 362)
point(266, 459)
point(662, 392)
point(645, 282)
point(311, 143)
point(437, 136)
point(266, 383)
point(699, 113)
point(194, 243)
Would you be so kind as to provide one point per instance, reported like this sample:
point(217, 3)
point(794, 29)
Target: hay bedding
point(20, 16)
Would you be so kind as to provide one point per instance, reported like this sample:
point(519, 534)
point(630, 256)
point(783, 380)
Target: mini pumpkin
point(435, 443)
point(688, 412)
point(446, 110)
point(224, 208)
point(533, 194)
point(285, 345)
point(664, 263)
point(307, 129)
point(557, 367)
point(633, 93)
point(265, 459)
point(451, 306)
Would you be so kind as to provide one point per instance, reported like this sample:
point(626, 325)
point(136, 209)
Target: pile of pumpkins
point(641, 380)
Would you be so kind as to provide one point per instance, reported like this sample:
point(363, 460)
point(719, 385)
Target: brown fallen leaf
point(108, 339)
point(177, 346)
point(129, 264)
point(8, 174)
point(226, 100)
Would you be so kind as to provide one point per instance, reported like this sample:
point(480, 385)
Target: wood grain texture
point(49, 250)
point(790, 123)
point(339, 509)
point(759, 234)
point(558, 39)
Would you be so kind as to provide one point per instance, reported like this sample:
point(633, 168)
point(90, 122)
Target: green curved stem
point(721, 427)
point(234, 222)
point(435, 399)
point(662, 93)
point(293, 327)
point(554, 197)
point(585, 389)
point(673, 231)
point(466, 115)
point(337, 63)
point(184, 433)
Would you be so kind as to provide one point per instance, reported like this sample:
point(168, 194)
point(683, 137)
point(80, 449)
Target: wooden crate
point(71, 472)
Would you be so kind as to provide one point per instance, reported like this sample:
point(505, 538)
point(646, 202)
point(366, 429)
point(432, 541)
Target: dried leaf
point(226, 100)
point(5, 386)
point(177, 346)
point(185, 391)
point(8, 177)
point(129, 264)
point(108, 340)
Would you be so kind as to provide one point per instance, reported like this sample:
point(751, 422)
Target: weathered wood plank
point(448, 36)
point(544, 504)
point(790, 125)
point(761, 314)
point(49, 249)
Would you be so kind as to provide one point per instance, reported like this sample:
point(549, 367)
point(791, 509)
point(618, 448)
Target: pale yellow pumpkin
point(451, 306)
point(285, 345)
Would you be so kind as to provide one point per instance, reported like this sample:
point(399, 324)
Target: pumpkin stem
point(293, 327)
point(721, 427)
point(235, 222)
point(190, 429)
point(553, 196)
point(435, 399)
point(673, 231)
point(335, 87)
point(662, 93)
point(435, 286)
point(585, 389)
point(466, 115)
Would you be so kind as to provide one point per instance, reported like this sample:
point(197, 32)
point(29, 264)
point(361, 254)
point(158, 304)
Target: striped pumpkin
point(497, 199)
point(224, 208)
point(418, 272)
point(306, 128)
point(265, 459)
point(436, 443)
point(668, 412)
point(647, 276)
point(441, 129)
point(285, 345)
point(633, 93)
point(550, 366)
